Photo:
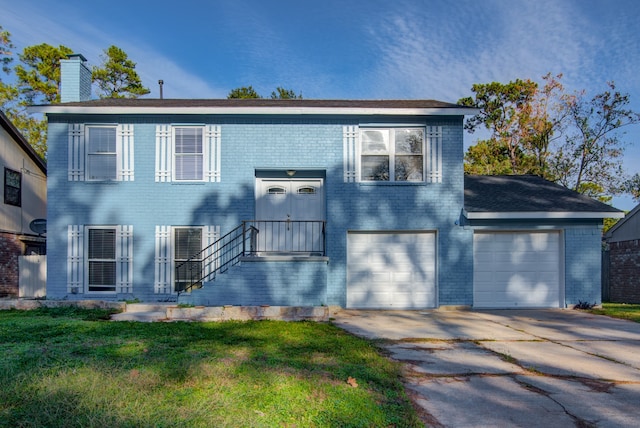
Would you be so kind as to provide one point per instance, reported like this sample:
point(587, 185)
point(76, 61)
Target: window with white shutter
point(101, 152)
point(100, 259)
point(187, 153)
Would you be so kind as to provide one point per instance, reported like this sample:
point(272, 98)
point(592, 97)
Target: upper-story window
point(12, 187)
point(101, 153)
point(392, 154)
point(188, 153)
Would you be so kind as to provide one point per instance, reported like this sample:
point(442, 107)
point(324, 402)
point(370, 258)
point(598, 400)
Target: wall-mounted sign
point(38, 226)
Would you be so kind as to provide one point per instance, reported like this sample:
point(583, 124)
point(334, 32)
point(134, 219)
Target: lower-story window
point(187, 257)
point(101, 259)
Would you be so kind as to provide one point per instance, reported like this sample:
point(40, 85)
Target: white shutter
point(212, 153)
point(124, 259)
point(75, 259)
point(434, 154)
point(76, 152)
point(164, 153)
point(211, 235)
point(124, 152)
point(349, 139)
point(163, 278)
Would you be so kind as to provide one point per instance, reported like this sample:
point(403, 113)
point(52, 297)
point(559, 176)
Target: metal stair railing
point(216, 258)
point(252, 237)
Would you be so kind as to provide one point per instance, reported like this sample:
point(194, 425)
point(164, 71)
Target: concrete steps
point(152, 312)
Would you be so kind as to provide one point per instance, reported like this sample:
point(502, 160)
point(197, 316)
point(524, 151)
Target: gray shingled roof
point(525, 193)
point(261, 102)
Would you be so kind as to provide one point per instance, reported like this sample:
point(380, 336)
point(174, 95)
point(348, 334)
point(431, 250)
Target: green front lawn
point(619, 310)
point(69, 368)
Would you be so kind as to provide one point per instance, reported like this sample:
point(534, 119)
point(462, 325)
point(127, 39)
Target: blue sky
point(370, 49)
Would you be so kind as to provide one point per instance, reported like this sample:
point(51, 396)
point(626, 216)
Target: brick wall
point(10, 249)
point(624, 271)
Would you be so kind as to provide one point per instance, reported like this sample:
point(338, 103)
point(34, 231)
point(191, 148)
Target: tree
point(117, 77)
point(632, 187)
point(589, 158)
point(285, 94)
point(247, 92)
point(503, 111)
point(40, 81)
point(566, 138)
point(5, 50)
point(244, 92)
point(33, 129)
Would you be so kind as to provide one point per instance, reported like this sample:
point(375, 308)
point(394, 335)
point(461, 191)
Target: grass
point(68, 367)
point(619, 310)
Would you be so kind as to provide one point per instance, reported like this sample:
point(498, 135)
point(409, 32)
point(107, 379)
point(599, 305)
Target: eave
point(252, 110)
point(544, 215)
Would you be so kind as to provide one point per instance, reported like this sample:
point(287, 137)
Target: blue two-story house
point(355, 203)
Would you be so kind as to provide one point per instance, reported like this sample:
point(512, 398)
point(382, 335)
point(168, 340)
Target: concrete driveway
point(528, 368)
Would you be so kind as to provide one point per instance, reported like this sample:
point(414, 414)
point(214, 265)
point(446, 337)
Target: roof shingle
point(525, 193)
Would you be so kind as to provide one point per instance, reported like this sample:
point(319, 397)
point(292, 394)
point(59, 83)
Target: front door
point(289, 215)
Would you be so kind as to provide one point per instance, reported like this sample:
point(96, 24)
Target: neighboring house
point(356, 203)
point(623, 257)
point(24, 187)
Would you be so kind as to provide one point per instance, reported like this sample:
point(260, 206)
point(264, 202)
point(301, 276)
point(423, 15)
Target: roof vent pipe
point(160, 82)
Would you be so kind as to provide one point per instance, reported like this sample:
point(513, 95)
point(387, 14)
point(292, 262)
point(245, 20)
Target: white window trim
point(87, 261)
point(88, 153)
point(391, 153)
point(202, 155)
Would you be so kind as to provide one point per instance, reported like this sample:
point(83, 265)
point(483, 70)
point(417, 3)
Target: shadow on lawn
point(61, 371)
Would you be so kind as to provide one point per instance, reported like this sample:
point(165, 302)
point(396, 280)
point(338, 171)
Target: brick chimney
point(75, 79)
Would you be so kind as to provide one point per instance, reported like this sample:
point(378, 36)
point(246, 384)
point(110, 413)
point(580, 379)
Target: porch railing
point(251, 238)
point(302, 237)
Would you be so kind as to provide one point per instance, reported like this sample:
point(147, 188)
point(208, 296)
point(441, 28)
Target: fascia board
point(299, 111)
point(541, 215)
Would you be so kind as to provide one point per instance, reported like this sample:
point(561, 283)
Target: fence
point(33, 276)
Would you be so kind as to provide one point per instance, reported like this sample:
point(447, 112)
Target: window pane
point(102, 273)
point(375, 168)
point(102, 244)
point(102, 140)
point(375, 141)
point(409, 141)
point(409, 168)
point(102, 264)
point(102, 167)
point(188, 167)
point(188, 140)
point(12, 187)
point(276, 190)
point(188, 242)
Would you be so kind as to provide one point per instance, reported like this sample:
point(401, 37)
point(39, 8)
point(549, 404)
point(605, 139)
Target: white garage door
point(391, 270)
point(517, 270)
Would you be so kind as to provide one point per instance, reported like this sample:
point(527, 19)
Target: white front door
point(289, 215)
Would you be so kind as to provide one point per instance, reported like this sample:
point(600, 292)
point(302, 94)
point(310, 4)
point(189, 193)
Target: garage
point(391, 270)
point(517, 269)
